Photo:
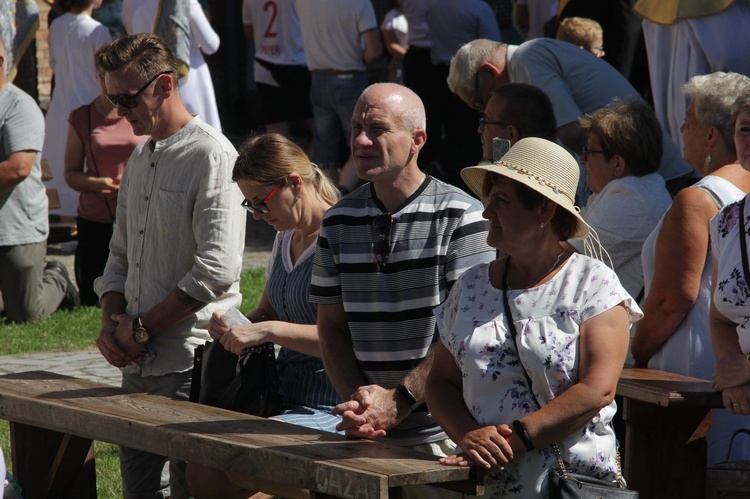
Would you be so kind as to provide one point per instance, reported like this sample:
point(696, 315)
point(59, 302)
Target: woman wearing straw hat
point(506, 392)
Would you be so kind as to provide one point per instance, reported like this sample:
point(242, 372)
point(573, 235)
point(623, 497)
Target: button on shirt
point(179, 224)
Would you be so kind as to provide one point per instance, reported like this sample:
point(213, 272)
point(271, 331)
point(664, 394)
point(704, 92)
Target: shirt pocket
point(174, 215)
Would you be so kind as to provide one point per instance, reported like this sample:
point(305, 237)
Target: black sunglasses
point(130, 101)
point(381, 249)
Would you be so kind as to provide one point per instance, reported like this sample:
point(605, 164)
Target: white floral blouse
point(732, 294)
point(473, 327)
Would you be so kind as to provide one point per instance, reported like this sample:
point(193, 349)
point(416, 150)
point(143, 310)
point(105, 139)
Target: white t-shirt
point(623, 214)
point(396, 22)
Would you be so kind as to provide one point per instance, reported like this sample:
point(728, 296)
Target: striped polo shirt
point(436, 235)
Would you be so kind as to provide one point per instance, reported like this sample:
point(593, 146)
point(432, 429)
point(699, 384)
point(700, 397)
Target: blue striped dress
point(307, 394)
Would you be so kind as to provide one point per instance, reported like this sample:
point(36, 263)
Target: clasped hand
point(236, 338)
point(116, 343)
point(369, 412)
point(487, 447)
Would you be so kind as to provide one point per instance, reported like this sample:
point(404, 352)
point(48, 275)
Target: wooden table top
point(241, 443)
point(667, 389)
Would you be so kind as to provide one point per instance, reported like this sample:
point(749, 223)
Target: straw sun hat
point(540, 165)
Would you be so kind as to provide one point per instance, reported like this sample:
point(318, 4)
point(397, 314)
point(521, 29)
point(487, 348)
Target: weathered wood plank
point(240, 443)
point(667, 389)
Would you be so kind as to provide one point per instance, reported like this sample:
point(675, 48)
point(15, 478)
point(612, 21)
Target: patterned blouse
point(732, 294)
point(473, 327)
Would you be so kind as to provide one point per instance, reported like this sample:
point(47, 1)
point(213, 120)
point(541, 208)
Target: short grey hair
point(713, 95)
point(466, 62)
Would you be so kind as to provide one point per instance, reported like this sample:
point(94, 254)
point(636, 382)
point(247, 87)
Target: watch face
point(141, 336)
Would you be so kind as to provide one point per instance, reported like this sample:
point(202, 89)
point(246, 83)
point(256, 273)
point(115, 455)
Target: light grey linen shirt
point(179, 223)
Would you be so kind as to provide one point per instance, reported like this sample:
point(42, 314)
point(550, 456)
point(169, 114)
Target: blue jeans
point(146, 475)
point(333, 97)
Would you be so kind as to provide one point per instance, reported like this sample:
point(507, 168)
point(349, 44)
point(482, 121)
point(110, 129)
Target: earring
point(541, 225)
point(708, 159)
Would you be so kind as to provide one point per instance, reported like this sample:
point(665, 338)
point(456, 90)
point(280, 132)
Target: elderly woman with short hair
point(622, 157)
point(674, 335)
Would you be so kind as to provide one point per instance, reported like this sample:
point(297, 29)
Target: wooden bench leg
point(659, 462)
point(49, 464)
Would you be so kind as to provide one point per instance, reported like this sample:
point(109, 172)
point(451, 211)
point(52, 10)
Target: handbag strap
point(731, 443)
point(743, 240)
point(514, 335)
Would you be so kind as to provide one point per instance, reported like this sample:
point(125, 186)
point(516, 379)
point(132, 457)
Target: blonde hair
point(580, 31)
point(270, 157)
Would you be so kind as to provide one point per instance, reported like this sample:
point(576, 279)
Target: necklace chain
point(557, 260)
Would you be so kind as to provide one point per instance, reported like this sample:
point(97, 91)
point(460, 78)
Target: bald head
point(404, 105)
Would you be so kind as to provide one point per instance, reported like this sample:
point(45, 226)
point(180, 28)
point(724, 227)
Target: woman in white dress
point(73, 38)
point(506, 397)
point(730, 306)
point(674, 334)
point(197, 88)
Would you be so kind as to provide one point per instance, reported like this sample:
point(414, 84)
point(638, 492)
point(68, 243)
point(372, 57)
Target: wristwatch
point(141, 335)
point(407, 396)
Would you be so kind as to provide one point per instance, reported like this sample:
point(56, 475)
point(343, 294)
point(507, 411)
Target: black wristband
point(520, 430)
point(407, 396)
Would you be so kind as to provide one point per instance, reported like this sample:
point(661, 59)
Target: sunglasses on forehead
point(130, 101)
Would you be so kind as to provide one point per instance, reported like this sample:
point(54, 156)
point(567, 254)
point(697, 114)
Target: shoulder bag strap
point(513, 331)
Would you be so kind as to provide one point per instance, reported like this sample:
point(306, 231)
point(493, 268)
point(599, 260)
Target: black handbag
point(248, 383)
point(729, 479)
point(564, 485)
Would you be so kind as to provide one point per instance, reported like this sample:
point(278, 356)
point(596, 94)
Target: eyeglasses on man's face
point(484, 121)
point(479, 103)
point(262, 207)
point(585, 151)
point(381, 249)
point(130, 101)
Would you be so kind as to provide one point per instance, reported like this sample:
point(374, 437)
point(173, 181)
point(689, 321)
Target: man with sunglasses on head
point(387, 254)
point(176, 251)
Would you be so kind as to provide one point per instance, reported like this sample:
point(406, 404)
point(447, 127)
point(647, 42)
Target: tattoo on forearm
point(187, 300)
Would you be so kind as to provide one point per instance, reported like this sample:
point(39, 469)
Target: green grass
point(77, 330)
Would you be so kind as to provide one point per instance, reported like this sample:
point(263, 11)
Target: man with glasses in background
point(576, 83)
point(176, 251)
point(387, 254)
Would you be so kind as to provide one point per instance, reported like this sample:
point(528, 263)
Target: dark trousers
point(91, 256)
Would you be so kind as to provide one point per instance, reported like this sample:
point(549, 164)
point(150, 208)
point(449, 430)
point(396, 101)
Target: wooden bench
point(664, 457)
point(55, 418)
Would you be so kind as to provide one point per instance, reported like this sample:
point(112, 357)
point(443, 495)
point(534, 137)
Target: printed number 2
point(271, 5)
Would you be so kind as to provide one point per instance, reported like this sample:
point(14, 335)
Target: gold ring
point(735, 404)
